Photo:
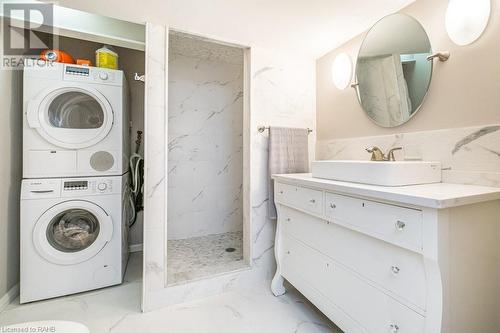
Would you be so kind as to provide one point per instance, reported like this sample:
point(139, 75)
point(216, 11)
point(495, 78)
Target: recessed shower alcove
point(205, 158)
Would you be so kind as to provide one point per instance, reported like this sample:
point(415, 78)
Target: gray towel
point(288, 153)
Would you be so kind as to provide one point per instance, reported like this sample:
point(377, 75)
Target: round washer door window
point(72, 232)
point(71, 117)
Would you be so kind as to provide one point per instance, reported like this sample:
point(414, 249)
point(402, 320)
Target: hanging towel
point(288, 153)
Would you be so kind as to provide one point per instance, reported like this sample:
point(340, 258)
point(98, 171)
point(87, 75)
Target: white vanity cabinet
point(420, 258)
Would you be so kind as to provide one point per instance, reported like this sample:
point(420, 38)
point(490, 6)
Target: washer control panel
point(71, 187)
point(75, 185)
point(91, 186)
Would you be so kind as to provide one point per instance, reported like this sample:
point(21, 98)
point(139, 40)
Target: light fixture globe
point(342, 71)
point(466, 20)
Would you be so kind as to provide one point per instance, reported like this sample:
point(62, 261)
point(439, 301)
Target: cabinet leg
point(277, 286)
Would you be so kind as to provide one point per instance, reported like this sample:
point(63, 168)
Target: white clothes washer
point(74, 235)
point(76, 121)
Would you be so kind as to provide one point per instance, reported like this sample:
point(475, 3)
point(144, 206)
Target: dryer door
point(72, 232)
point(71, 117)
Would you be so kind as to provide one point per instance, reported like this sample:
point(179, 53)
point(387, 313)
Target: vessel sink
point(390, 173)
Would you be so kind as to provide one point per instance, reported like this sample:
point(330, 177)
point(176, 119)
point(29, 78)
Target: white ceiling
point(307, 27)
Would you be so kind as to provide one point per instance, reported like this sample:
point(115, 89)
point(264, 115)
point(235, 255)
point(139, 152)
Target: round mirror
point(392, 70)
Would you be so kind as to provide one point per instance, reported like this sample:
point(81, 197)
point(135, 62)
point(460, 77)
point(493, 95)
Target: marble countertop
point(439, 195)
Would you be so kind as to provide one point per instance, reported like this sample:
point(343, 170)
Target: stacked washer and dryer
point(74, 194)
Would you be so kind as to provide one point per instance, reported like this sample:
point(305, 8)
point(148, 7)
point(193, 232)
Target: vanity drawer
point(302, 198)
point(375, 311)
point(394, 224)
point(390, 267)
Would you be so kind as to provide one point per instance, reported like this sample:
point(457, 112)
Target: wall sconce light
point(466, 20)
point(342, 71)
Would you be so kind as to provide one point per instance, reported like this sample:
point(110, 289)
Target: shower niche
point(205, 158)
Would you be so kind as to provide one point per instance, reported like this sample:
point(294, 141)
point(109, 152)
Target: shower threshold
point(200, 257)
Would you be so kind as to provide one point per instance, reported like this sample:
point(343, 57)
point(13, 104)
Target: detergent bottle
point(106, 58)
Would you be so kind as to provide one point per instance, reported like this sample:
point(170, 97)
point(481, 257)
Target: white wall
point(10, 176)
point(205, 129)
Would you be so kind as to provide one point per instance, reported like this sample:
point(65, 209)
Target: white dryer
point(76, 121)
point(73, 235)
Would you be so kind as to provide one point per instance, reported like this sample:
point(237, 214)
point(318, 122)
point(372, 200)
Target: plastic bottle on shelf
point(106, 58)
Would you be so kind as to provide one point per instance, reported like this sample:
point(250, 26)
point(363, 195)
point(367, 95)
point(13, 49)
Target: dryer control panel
point(77, 70)
point(79, 73)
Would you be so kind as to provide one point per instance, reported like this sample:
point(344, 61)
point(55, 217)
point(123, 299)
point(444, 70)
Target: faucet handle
point(390, 153)
point(372, 149)
point(377, 153)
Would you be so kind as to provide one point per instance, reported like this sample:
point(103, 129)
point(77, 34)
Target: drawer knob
point(400, 225)
point(288, 219)
point(395, 270)
point(281, 192)
point(312, 201)
point(394, 328)
point(333, 206)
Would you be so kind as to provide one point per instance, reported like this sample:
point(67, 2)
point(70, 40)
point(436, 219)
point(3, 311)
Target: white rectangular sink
point(390, 173)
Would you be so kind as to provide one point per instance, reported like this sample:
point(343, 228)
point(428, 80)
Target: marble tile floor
point(198, 257)
point(117, 309)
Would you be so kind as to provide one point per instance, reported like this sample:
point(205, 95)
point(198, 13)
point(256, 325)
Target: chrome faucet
point(378, 154)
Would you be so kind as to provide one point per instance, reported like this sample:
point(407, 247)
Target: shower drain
point(230, 249)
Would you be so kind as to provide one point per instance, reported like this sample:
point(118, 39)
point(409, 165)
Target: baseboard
point(135, 248)
point(9, 297)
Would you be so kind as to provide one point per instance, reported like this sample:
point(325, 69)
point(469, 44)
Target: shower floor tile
point(198, 257)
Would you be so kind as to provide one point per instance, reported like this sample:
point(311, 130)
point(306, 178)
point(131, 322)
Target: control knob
point(103, 76)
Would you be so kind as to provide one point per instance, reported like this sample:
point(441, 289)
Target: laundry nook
point(183, 166)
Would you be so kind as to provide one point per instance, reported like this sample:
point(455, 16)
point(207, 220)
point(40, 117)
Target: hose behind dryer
point(137, 179)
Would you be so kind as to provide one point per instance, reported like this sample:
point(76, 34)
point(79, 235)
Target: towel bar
point(261, 129)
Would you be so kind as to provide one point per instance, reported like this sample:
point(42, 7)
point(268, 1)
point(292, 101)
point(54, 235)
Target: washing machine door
point(72, 232)
point(71, 117)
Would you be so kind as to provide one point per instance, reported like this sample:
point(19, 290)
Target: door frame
point(156, 161)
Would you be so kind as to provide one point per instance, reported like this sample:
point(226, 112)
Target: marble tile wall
point(469, 155)
point(205, 142)
point(283, 94)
